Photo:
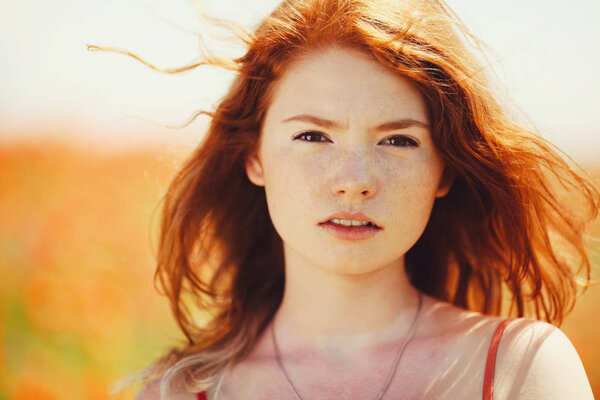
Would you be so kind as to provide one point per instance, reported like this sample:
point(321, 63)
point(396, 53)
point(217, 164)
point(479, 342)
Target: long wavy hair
point(507, 239)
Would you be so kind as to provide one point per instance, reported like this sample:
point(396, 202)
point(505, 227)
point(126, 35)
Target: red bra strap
point(202, 396)
point(490, 364)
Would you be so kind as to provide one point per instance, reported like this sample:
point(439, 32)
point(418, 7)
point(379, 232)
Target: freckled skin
point(305, 182)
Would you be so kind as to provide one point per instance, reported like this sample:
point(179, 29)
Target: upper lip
point(347, 215)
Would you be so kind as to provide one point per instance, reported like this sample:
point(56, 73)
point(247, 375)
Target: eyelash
point(408, 142)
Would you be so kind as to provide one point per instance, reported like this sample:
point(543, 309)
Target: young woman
point(360, 215)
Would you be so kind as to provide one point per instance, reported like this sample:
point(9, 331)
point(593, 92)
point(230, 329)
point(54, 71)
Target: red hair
point(506, 238)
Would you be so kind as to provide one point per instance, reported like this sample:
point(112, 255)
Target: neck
point(331, 313)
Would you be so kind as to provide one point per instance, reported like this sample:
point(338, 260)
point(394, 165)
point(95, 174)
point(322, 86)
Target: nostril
point(354, 187)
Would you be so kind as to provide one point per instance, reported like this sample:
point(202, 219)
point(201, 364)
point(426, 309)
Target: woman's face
point(343, 134)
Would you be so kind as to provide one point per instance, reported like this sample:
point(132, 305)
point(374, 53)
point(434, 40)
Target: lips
point(352, 216)
point(350, 233)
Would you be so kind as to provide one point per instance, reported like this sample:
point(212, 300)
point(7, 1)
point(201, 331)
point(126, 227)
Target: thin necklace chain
point(289, 384)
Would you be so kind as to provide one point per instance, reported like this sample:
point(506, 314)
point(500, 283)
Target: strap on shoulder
point(490, 364)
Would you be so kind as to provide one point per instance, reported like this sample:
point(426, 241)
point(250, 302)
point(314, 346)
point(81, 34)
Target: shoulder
point(152, 392)
point(536, 360)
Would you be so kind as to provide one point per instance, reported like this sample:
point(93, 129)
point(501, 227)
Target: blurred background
point(85, 158)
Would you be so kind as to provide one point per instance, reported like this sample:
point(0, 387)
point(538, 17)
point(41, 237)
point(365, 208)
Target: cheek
point(292, 183)
point(418, 174)
point(411, 189)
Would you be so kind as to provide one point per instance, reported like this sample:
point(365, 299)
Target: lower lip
point(350, 232)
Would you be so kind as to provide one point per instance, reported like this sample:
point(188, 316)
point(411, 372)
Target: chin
point(343, 266)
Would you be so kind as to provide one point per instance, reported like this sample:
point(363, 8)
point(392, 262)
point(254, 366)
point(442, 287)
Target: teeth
point(350, 222)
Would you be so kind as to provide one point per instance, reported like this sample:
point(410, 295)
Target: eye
point(401, 141)
point(311, 136)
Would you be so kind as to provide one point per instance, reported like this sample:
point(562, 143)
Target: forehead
point(342, 82)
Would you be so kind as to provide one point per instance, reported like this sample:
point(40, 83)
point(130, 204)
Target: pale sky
point(546, 53)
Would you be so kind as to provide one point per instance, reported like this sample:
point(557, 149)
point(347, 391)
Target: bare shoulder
point(152, 392)
point(536, 360)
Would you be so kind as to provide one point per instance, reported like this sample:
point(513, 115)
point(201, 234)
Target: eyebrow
point(398, 124)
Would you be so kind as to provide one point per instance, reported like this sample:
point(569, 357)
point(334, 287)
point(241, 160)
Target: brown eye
point(311, 136)
point(401, 141)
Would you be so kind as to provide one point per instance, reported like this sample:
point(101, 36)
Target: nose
point(354, 177)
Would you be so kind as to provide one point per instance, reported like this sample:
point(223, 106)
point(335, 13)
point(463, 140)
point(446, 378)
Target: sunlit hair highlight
point(507, 239)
